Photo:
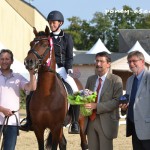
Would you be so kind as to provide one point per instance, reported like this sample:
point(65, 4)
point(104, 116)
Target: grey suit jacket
point(107, 109)
point(141, 106)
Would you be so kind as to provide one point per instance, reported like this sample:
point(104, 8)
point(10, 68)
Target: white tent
point(137, 47)
point(17, 66)
point(98, 47)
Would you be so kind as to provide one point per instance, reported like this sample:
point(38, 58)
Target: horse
point(48, 105)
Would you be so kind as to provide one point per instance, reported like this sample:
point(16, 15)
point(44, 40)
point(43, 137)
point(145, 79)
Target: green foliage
point(106, 27)
point(82, 97)
point(22, 99)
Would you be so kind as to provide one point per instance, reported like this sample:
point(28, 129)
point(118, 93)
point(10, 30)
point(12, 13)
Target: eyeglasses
point(100, 61)
point(133, 61)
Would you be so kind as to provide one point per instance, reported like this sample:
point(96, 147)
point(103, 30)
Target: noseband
point(40, 57)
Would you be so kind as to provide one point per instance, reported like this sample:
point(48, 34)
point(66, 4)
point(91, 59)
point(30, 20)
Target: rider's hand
point(70, 71)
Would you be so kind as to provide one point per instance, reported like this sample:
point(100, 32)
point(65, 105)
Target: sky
point(85, 9)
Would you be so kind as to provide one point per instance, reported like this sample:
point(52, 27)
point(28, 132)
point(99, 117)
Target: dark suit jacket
point(108, 108)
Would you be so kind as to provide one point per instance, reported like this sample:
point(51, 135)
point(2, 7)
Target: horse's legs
point(40, 138)
point(63, 143)
point(84, 144)
point(55, 138)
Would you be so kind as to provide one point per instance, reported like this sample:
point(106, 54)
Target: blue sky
point(86, 8)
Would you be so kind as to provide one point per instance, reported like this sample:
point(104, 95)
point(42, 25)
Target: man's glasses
point(133, 61)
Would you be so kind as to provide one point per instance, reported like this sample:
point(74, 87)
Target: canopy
point(17, 66)
point(137, 47)
point(98, 47)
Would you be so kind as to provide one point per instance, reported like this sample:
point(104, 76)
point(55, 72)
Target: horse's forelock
point(42, 33)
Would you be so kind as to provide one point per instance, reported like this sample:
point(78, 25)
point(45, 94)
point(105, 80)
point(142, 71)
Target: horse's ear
point(35, 31)
point(47, 31)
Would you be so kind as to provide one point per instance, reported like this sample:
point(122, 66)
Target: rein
point(2, 131)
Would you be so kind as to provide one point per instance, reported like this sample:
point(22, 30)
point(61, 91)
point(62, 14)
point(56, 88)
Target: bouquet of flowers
point(82, 97)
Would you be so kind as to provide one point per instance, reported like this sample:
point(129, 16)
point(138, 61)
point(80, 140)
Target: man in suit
point(104, 127)
point(138, 108)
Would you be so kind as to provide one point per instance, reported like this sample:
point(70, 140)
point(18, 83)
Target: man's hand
point(124, 107)
point(90, 105)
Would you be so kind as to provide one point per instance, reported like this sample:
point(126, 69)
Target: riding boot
point(74, 126)
point(27, 125)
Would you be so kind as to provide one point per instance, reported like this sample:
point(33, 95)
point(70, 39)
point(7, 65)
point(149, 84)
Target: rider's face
point(55, 25)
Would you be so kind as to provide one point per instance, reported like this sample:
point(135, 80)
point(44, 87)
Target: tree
point(106, 27)
point(127, 18)
point(79, 29)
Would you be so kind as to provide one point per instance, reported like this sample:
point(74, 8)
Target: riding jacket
point(63, 47)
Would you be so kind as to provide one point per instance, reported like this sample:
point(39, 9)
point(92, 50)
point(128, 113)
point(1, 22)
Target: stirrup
point(23, 120)
point(25, 127)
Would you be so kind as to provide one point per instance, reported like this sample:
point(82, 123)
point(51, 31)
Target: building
point(17, 19)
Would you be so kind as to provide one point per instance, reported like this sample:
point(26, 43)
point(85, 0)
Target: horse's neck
point(46, 80)
point(53, 59)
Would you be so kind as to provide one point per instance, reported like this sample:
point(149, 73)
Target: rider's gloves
point(70, 71)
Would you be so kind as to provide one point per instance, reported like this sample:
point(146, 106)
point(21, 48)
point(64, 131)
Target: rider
point(63, 46)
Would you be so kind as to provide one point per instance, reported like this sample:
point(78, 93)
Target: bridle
point(40, 58)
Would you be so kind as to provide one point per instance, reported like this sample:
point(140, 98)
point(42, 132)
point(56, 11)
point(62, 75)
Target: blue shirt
point(139, 77)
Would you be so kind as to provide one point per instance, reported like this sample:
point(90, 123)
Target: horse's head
point(40, 53)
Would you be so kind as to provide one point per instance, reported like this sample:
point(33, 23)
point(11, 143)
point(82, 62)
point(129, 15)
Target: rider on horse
point(63, 47)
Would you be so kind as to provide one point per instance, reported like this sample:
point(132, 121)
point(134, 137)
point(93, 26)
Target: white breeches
point(67, 78)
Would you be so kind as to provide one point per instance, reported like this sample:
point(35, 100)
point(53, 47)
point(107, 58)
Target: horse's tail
point(49, 141)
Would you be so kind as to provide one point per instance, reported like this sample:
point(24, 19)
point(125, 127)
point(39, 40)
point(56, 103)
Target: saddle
point(69, 91)
point(67, 86)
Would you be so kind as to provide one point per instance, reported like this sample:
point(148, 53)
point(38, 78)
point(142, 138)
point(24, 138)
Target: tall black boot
point(74, 126)
point(27, 125)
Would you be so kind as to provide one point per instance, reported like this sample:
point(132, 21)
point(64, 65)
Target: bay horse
point(48, 105)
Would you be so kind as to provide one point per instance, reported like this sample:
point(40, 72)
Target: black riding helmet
point(55, 16)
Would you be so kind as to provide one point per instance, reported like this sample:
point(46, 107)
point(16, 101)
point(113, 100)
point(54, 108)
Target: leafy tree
point(79, 29)
point(145, 22)
point(106, 27)
point(101, 25)
point(127, 18)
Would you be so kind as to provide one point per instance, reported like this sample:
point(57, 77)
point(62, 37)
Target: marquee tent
point(137, 47)
point(17, 66)
point(98, 47)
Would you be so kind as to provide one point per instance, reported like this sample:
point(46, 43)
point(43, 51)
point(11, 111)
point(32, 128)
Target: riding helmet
point(55, 16)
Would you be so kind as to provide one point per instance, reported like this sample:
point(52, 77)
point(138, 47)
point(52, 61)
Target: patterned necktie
point(132, 98)
point(93, 116)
